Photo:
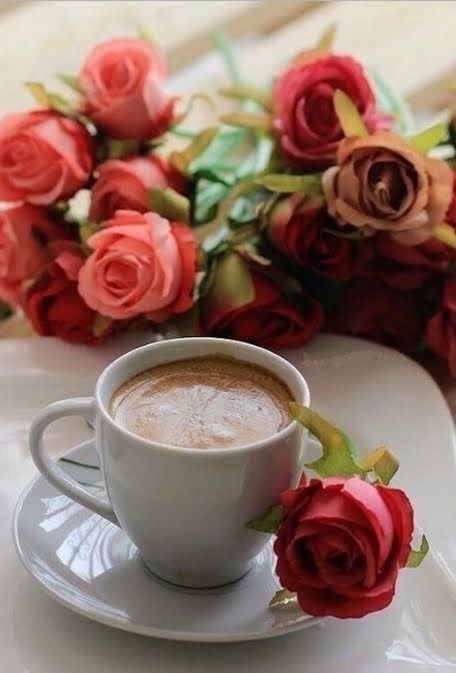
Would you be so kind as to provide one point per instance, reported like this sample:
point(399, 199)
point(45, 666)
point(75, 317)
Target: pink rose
point(124, 185)
point(441, 328)
point(43, 157)
point(304, 115)
point(25, 237)
point(123, 86)
point(141, 263)
point(342, 544)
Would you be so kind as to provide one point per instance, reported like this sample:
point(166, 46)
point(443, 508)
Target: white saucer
point(90, 566)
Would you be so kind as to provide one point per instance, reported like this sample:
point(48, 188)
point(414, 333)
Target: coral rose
point(124, 185)
point(141, 263)
point(342, 544)
point(304, 117)
point(381, 183)
point(43, 157)
point(123, 86)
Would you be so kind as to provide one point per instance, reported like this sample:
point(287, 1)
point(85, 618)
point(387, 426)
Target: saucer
point(90, 566)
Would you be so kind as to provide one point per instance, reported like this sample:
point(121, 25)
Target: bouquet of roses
point(308, 205)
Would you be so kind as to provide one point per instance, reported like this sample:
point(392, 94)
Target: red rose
point(451, 212)
point(295, 228)
point(441, 328)
point(371, 310)
point(405, 267)
point(54, 306)
point(270, 320)
point(304, 115)
point(124, 185)
point(43, 157)
point(342, 544)
point(123, 86)
point(26, 235)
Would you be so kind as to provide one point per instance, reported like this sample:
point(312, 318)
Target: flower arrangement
point(310, 205)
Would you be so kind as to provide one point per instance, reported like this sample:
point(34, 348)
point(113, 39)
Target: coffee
point(205, 403)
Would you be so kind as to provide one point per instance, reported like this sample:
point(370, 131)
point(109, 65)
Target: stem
point(223, 46)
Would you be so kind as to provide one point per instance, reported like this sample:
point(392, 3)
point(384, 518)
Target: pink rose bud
point(43, 157)
point(123, 86)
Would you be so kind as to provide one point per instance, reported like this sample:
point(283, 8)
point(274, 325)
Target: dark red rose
point(295, 227)
point(342, 544)
point(270, 320)
point(371, 310)
point(405, 267)
point(54, 306)
point(441, 328)
point(304, 115)
point(450, 217)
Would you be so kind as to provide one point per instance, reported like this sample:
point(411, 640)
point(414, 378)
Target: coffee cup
point(185, 509)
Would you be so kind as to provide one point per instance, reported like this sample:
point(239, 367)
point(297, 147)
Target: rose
point(25, 237)
point(440, 332)
point(341, 545)
point(270, 320)
point(450, 216)
point(381, 183)
point(371, 310)
point(54, 306)
point(122, 83)
point(405, 267)
point(296, 228)
point(43, 157)
point(304, 117)
point(141, 263)
point(124, 185)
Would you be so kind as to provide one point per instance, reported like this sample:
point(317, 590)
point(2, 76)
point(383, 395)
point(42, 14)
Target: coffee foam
point(204, 403)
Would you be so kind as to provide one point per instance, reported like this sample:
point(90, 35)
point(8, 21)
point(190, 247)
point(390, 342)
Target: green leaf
point(269, 521)
point(231, 284)
point(144, 34)
point(326, 41)
point(71, 81)
point(223, 45)
point(393, 104)
point(348, 115)
point(249, 251)
point(117, 148)
point(289, 184)
point(170, 204)
point(100, 324)
point(182, 159)
point(283, 596)
point(339, 453)
point(224, 209)
point(51, 100)
point(198, 96)
point(445, 234)
point(416, 556)
point(86, 230)
point(424, 142)
point(258, 122)
point(382, 462)
point(248, 93)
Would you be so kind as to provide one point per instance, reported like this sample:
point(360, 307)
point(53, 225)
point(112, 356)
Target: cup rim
point(223, 451)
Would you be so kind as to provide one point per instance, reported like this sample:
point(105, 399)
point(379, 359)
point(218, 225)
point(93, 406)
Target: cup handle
point(78, 406)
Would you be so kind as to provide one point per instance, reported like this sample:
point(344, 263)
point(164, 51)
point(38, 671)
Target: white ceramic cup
point(185, 509)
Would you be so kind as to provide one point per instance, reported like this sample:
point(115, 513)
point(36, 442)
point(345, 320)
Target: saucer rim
point(97, 615)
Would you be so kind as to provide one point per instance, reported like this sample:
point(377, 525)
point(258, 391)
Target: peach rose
point(43, 157)
point(141, 263)
point(123, 86)
point(382, 183)
point(124, 185)
point(25, 235)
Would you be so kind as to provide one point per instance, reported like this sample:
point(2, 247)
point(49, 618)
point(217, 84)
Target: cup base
point(179, 580)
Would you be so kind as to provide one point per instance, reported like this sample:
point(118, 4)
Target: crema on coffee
point(205, 403)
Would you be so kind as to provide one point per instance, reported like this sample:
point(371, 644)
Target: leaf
point(445, 234)
point(281, 596)
point(326, 41)
point(416, 556)
point(51, 100)
point(382, 462)
point(249, 251)
point(100, 324)
point(189, 106)
point(289, 184)
point(86, 230)
point(224, 208)
point(248, 93)
point(182, 159)
point(248, 120)
point(223, 45)
point(231, 284)
point(348, 115)
point(339, 454)
point(117, 148)
point(170, 204)
point(269, 521)
point(144, 34)
point(424, 142)
point(70, 80)
point(39, 93)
